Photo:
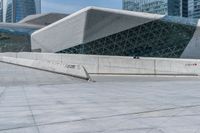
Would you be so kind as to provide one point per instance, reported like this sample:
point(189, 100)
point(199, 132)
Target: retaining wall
point(95, 64)
point(77, 71)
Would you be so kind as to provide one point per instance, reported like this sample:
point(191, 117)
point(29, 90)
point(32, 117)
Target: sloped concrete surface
point(33, 101)
point(67, 69)
point(13, 75)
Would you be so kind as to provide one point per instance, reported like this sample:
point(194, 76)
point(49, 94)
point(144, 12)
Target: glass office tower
point(1, 11)
point(38, 6)
point(184, 4)
point(16, 10)
point(164, 7)
point(194, 8)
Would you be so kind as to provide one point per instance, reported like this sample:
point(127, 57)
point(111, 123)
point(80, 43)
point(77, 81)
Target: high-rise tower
point(1, 10)
point(164, 7)
point(194, 8)
point(16, 10)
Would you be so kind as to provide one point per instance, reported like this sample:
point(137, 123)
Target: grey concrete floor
point(33, 101)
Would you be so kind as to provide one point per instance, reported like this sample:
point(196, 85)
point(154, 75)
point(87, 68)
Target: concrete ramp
point(77, 71)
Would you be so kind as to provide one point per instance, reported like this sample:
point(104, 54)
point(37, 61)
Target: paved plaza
point(33, 101)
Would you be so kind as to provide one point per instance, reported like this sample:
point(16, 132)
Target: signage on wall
point(192, 64)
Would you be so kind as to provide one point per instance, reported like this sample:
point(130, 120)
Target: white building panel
point(87, 25)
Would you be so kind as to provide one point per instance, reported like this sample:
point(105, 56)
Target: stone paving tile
point(42, 102)
point(21, 130)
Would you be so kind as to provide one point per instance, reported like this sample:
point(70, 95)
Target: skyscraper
point(184, 7)
point(1, 11)
point(38, 6)
point(194, 8)
point(16, 10)
point(164, 7)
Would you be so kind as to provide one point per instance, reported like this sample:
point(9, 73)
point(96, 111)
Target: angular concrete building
point(101, 31)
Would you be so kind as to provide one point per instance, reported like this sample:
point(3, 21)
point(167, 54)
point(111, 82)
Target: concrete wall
point(119, 65)
point(43, 19)
point(55, 67)
point(61, 34)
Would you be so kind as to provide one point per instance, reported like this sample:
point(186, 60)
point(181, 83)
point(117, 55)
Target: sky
point(70, 6)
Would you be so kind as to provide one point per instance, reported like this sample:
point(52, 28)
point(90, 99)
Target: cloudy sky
point(69, 6)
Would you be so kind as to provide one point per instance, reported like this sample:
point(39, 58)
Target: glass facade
point(151, 6)
point(16, 10)
point(9, 11)
point(15, 39)
point(24, 8)
point(165, 7)
point(194, 8)
point(167, 37)
point(1, 11)
point(174, 8)
point(184, 8)
point(38, 6)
